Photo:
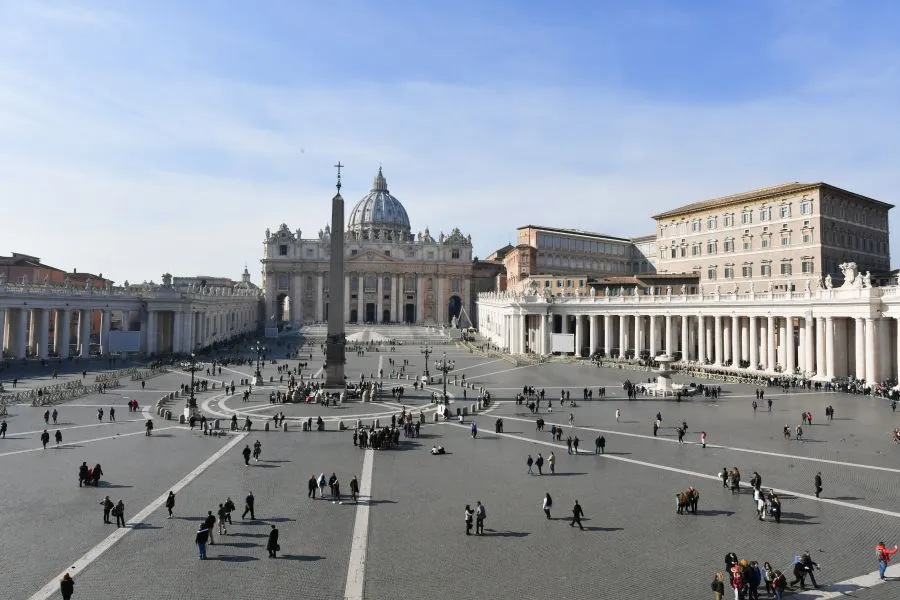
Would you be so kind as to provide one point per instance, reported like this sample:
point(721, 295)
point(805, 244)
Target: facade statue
point(593, 292)
point(850, 273)
point(828, 284)
point(867, 280)
point(67, 283)
point(752, 288)
point(268, 233)
point(683, 289)
point(2, 278)
point(716, 290)
point(734, 290)
point(806, 287)
point(668, 290)
point(637, 291)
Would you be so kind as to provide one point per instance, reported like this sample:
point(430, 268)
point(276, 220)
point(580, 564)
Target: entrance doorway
point(370, 312)
point(353, 315)
point(386, 316)
point(409, 313)
point(454, 308)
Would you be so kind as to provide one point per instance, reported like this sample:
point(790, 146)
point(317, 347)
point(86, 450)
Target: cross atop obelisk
point(339, 166)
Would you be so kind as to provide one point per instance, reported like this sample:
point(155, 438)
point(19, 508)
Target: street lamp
point(444, 366)
point(260, 349)
point(191, 407)
point(427, 351)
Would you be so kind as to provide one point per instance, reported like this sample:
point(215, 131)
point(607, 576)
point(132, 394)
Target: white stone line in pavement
point(54, 427)
point(248, 375)
point(69, 445)
point(318, 373)
point(643, 436)
point(478, 377)
point(846, 588)
point(52, 587)
point(356, 571)
point(484, 364)
point(642, 463)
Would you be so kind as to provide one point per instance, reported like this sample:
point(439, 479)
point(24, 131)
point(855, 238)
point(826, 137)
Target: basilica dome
point(378, 215)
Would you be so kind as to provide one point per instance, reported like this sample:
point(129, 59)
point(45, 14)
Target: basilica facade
point(391, 274)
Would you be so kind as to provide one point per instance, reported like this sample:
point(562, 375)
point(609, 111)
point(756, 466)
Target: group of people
point(334, 486)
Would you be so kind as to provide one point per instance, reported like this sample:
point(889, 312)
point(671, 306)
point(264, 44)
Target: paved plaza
point(406, 538)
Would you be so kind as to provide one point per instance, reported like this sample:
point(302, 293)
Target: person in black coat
point(313, 486)
point(45, 438)
point(200, 539)
point(67, 586)
point(272, 546)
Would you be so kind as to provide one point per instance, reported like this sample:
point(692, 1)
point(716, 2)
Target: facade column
point(754, 344)
point(320, 292)
point(820, 347)
point(523, 334)
point(622, 328)
point(379, 299)
point(105, 316)
point(789, 347)
point(151, 332)
point(871, 376)
point(809, 347)
point(3, 319)
point(670, 336)
point(897, 331)
point(637, 336)
point(126, 320)
point(543, 334)
point(736, 341)
point(360, 313)
point(420, 299)
point(64, 334)
point(685, 338)
point(701, 339)
point(829, 347)
point(346, 307)
point(84, 334)
point(43, 331)
point(394, 300)
point(579, 335)
point(654, 338)
point(745, 339)
point(859, 355)
point(883, 349)
point(770, 344)
point(718, 340)
point(57, 330)
point(177, 330)
point(607, 334)
point(595, 334)
point(564, 324)
point(190, 317)
point(21, 333)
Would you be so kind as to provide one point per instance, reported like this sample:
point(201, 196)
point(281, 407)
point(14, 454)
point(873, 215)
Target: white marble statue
point(828, 284)
point(668, 290)
point(850, 273)
point(867, 280)
point(806, 287)
point(683, 289)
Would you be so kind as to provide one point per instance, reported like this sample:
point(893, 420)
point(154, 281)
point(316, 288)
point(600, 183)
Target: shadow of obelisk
point(334, 344)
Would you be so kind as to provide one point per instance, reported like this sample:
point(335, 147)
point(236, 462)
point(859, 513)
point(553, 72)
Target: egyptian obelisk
point(334, 345)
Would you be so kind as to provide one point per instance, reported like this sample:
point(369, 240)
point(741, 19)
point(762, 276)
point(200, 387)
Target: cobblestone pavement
point(634, 543)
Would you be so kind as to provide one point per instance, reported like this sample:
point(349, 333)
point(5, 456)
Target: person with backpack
point(718, 585)
point(480, 516)
point(547, 504)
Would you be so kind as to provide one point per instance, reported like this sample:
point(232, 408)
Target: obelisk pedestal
point(334, 344)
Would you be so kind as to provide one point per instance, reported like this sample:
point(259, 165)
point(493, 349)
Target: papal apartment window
point(729, 245)
point(674, 253)
point(695, 249)
point(729, 220)
point(282, 250)
point(568, 283)
point(785, 268)
point(785, 211)
point(807, 266)
point(765, 213)
point(711, 223)
point(764, 242)
point(310, 252)
point(711, 273)
point(746, 217)
point(729, 272)
point(695, 225)
point(581, 283)
point(765, 270)
point(712, 247)
point(747, 243)
point(806, 207)
point(559, 283)
point(547, 283)
point(747, 271)
point(785, 240)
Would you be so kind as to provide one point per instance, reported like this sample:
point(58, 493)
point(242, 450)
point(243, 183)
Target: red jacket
point(885, 554)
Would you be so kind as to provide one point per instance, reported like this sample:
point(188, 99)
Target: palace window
point(785, 268)
point(747, 243)
point(711, 273)
point(785, 211)
point(282, 281)
point(806, 266)
point(765, 213)
point(674, 253)
point(729, 244)
point(409, 283)
point(547, 283)
point(454, 253)
point(282, 250)
point(806, 207)
point(785, 239)
point(746, 217)
point(712, 247)
point(765, 270)
point(764, 241)
point(747, 271)
point(729, 272)
point(354, 284)
point(354, 252)
point(729, 220)
point(559, 283)
point(695, 249)
point(455, 286)
point(712, 223)
point(695, 226)
point(310, 252)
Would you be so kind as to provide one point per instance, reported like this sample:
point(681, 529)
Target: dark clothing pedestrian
point(246, 453)
point(312, 484)
point(170, 503)
point(249, 501)
point(817, 481)
point(272, 545)
point(201, 539)
point(577, 513)
point(119, 512)
point(107, 509)
point(67, 586)
point(45, 439)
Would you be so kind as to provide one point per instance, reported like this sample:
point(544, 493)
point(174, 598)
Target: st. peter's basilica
point(392, 275)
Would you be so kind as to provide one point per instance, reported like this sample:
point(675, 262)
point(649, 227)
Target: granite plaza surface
point(634, 545)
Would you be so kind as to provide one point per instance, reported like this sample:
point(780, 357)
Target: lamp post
point(444, 366)
point(259, 349)
point(191, 407)
point(427, 351)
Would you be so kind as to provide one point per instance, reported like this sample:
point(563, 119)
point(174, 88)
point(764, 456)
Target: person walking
point(249, 503)
point(3, 429)
point(119, 512)
point(809, 565)
point(718, 585)
point(108, 505)
point(221, 515)
point(703, 439)
point(170, 503)
point(779, 583)
point(100, 414)
point(201, 538)
point(210, 523)
point(480, 516)
point(67, 586)
point(312, 485)
point(539, 463)
point(618, 414)
point(246, 453)
point(45, 439)
point(547, 504)
point(529, 462)
point(884, 557)
point(229, 508)
point(58, 436)
point(272, 545)
point(817, 482)
point(551, 460)
point(354, 489)
point(577, 513)
point(55, 416)
point(112, 414)
point(469, 516)
point(257, 450)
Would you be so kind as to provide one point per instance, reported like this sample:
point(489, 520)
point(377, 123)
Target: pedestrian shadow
point(116, 485)
point(260, 465)
point(592, 528)
point(846, 498)
point(160, 435)
point(793, 518)
point(253, 535)
point(238, 544)
point(567, 474)
point(844, 589)
point(616, 453)
point(301, 557)
point(373, 502)
point(190, 518)
point(278, 461)
point(144, 526)
point(258, 522)
point(714, 513)
point(232, 558)
point(628, 421)
point(66, 447)
point(512, 534)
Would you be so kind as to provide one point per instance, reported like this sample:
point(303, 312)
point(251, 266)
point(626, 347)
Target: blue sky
point(144, 137)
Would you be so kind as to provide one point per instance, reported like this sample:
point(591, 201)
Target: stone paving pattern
point(635, 543)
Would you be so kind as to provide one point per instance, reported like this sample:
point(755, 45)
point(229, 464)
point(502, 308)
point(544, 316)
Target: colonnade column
point(789, 347)
point(595, 334)
point(360, 314)
point(622, 326)
point(898, 346)
point(654, 338)
point(542, 348)
point(151, 332)
point(607, 335)
point(21, 328)
point(735, 341)
point(871, 376)
point(43, 332)
point(809, 347)
point(685, 339)
point(701, 339)
point(320, 291)
point(637, 336)
point(395, 310)
point(718, 340)
point(84, 333)
point(579, 335)
point(105, 316)
point(346, 307)
point(770, 344)
point(670, 336)
point(820, 347)
point(3, 319)
point(177, 330)
point(754, 344)
point(829, 347)
point(64, 333)
point(860, 348)
point(379, 299)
